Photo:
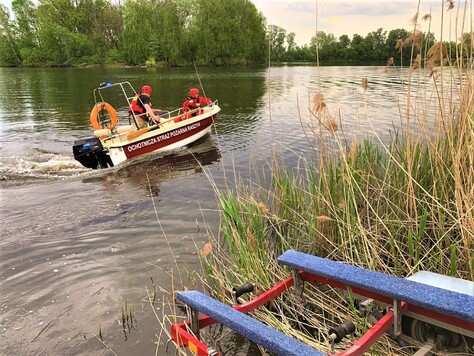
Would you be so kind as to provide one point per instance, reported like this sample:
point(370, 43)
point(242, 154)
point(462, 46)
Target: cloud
point(368, 8)
point(345, 17)
point(302, 7)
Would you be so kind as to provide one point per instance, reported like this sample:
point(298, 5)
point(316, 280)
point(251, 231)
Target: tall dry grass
point(396, 208)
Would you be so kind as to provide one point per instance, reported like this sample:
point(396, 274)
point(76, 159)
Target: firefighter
point(194, 102)
point(142, 108)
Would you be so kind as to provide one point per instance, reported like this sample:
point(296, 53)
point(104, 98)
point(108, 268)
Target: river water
point(78, 247)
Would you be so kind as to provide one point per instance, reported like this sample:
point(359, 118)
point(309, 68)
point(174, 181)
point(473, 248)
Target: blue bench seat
point(271, 339)
point(443, 301)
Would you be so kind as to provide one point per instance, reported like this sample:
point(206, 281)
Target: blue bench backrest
point(271, 339)
point(437, 299)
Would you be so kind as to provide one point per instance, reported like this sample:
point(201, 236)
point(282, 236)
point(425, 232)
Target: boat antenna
point(199, 79)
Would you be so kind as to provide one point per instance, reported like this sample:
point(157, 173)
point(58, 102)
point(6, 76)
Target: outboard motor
point(90, 153)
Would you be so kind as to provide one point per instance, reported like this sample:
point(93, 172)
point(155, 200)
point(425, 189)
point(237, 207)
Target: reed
point(396, 208)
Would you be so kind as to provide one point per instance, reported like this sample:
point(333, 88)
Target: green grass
point(396, 208)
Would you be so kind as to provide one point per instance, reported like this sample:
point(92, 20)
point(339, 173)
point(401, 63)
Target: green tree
point(375, 45)
point(343, 47)
point(326, 44)
point(466, 46)
point(107, 27)
point(358, 51)
point(66, 30)
point(138, 41)
point(394, 45)
point(276, 36)
point(9, 52)
point(290, 40)
point(227, 32)
point(172, 37)
point(26, 25)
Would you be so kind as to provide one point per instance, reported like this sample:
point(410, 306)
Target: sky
point(346, 17)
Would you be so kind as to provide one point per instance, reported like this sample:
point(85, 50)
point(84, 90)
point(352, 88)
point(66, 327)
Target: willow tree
point(276, 36)
point(171, 32)
point(76, 31)
point(26, 29)
point(107, 26)
point(8, 49)
point(151, 32)
point(227, 32)
point(137, 39)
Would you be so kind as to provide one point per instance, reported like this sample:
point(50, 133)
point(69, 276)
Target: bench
point(271, 339)
point(125, 129)
point(443, 301)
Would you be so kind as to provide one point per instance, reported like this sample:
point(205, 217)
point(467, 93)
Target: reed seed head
point(323, 219)
point(319, 103)
point(251, 239)
point(399, 44)
point(262, 207)
point(331, 124)
point(416, 63)
point(365, 83)
point(353, 151)
point(206, 250)
point(437, 53)
point(415, 38)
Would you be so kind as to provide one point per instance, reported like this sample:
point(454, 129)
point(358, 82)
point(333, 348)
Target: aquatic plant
point(396, 207)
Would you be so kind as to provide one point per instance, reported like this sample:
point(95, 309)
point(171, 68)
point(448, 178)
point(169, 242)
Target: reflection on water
point(77, 244)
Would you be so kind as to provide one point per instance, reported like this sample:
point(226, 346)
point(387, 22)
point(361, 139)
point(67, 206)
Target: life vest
point(191, 103)
point(136, 105)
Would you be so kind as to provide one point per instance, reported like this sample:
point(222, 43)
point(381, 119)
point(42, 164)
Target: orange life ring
point(94, 119)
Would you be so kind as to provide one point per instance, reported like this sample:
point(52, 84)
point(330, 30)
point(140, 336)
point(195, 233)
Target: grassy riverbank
point(396, 207)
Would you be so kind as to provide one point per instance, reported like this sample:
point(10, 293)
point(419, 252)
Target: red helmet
point(146, 89)
point(193, 92)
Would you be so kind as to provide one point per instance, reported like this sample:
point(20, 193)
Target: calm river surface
point(79, 246)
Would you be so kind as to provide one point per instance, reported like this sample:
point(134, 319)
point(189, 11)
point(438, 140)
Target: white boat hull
point(161, 140)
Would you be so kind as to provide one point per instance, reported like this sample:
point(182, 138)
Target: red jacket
point(137, 104)
point(194, 103)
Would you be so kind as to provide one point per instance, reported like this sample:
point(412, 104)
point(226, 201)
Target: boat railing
point(178, 112)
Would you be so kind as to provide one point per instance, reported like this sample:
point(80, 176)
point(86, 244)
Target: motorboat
point(117, 140)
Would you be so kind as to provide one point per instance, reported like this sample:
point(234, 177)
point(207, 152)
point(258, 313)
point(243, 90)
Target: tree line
point(175, 33)
point(398, 45)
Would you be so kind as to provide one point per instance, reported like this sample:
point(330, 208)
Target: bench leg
point(397, 317)
point(194, 318)
point(298, 282)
